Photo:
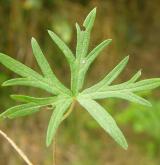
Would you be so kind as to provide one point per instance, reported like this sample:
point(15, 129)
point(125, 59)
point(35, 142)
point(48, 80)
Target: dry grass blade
point(19, 151)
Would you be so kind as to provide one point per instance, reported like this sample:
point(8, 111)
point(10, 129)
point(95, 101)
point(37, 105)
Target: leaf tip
point(49, 32)
point(94, 10)
point(12, 96)
point(109, 40)
point(127, 57)
point(140, 72)
point(125, 147)
point(89, 21)
point(4, 84)
point(48, 142)
point(124, 144)
point(33, 39)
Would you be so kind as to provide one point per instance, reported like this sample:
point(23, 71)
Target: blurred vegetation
point(134, 27)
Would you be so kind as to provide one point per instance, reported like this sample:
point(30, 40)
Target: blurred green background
point(134, 26)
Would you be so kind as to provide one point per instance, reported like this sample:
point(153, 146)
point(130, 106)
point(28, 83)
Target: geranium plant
point(63, 99)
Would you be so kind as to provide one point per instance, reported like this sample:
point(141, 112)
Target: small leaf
point(27, 99)
point(109, 78)
point(104, 119)
point(94, 53)
point(33, 105)
point(123, 95)
point(24, 112)
point(78, 32)
point(18, 67)
point(32, 83)
point(56, 119)
point(135, 77)
point(42, 62)
point(21, 110)
point(89, 21)
point(64, 48)
point(142, 85)
point(85, 63)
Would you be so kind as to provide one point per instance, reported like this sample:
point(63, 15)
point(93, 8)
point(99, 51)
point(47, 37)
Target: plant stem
point(19, 151)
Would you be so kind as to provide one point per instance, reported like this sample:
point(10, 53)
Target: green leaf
point(24, 112)
point(46, 70)
point(123, 95)
point(82, 44)
point(109, 78)
point(32, 78)
point(86, 62)
point(79, 64)
point(104, 119)
point(41, 60)
point(27, 99)
point(95, 52)
point(135, 77)
point(18, 67)
point(21, 110)
point(32, 83)
point(64, 48)
point(56, 119)
point(33, 105)
point(83, 38)
point(78, 33)
point(89, 21)
point(142, 85)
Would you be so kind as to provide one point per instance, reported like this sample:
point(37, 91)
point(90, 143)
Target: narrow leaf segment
point(104, 119)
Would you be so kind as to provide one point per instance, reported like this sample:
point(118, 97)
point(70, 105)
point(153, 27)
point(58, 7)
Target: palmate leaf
point(62, 97)
point(104, 119)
